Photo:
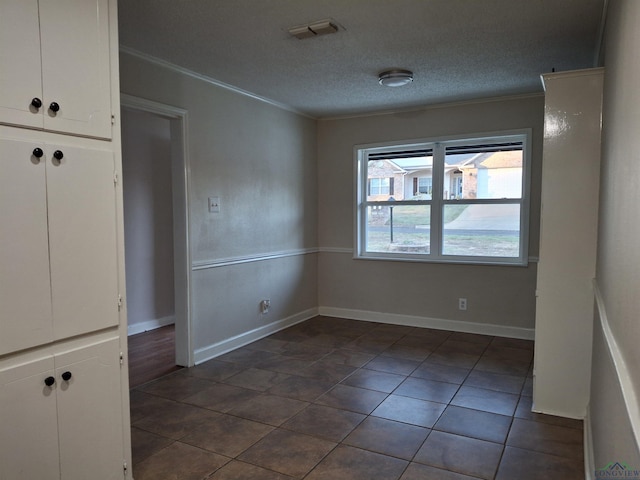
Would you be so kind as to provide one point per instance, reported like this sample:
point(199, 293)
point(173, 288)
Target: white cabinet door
point(82, 240)
point(25, 294)
point(20, 65)
point(76, 66)
point(58, 268)
point(28, 422)
point(56, 51)
point(90, 413)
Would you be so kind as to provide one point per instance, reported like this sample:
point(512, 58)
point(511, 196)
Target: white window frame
point(437, 202)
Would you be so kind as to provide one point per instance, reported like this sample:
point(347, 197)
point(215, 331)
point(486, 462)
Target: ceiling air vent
point(322, 27)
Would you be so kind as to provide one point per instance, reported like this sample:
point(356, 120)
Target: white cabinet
point(56, 52)
point(568, 242)
point(58, 264)
point(61, 415)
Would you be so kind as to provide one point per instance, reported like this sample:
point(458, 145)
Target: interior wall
point(260, 160)
point(497, 295)
point(148, 220)
point(615, 386)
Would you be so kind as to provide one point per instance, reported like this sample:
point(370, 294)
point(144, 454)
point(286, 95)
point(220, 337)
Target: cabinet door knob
point(58, 155)
point(49, 381)
point(66, 376)
point(37, 152)
point(54, 107)
point(36, 102)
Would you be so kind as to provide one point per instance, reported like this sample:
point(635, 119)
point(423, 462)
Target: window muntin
point(460, 201)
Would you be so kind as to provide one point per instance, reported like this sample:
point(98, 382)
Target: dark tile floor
point(342, 399)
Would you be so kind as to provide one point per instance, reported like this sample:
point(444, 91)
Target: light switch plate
point(214, 204)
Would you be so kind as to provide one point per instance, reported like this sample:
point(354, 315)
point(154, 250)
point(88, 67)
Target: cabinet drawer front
point(82, 241)
point(25, 294)
point(29, 433)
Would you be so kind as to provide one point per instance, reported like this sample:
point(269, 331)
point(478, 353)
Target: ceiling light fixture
point(395, 78)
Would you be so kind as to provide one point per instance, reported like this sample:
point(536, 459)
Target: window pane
point(404, 178)
point(481, 230)
point(401, 228)
point(483, 174)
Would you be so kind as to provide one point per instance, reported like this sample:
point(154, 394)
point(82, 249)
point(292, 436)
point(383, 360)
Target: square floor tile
point(545, 438)
point(175, 420)
point(474, 423)
point(388, 437)
point(269, 409)
point(143, 404)
point(269, 345)
point(451, 345)
point(287, 452)
point(176, 386)
point(524, 411)
point(235, 470)
point(472, 338)
point(179, 461)
point(372, 380)
point(221, 397)
point(416, 471)
point(144, 444)
point(494, 381)
point(468, 456)
point(301, 388)
point(410, 352)
point(213, 370)
point(441, 373)
point(530, 465)
point(256, 379)
point(281, 363)
point(324, 422)
point(226, 435)
point(409, 410)
point(348, 463)
point(399, 366)
point(328, 371)
point(427, 390)
point(306, 351)
point(349, 357)
point(247, 357)
point(486, 400)
point(355, 399)
point(453, 359)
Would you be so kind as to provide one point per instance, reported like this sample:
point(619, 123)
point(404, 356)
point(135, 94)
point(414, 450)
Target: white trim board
point(589, 460)
point(428, 322)
point(224, 262)
point(220, 348)
point(620, 366)
point(141, 327)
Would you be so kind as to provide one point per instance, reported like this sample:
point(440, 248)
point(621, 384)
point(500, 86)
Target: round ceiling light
point(395, 78)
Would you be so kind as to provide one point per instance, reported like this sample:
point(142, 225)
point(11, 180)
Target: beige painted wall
point(148, 219)
point(261, 161)
point(502, 296)
point(618, 263)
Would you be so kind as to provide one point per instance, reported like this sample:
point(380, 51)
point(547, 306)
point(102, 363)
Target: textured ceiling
point(457, 49)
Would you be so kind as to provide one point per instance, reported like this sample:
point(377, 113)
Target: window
point(452, 200)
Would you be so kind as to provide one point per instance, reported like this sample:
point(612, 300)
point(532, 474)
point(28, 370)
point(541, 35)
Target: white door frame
point(181, 182)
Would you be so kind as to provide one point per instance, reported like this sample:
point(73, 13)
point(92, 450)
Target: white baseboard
point(589, 460)
point(428, 322)
point(220, 348)
point(142, 327)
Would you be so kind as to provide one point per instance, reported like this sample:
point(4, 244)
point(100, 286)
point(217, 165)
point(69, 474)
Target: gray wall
point(261, 161)
point(614, 415)
point(502, 296)
point(148, 220)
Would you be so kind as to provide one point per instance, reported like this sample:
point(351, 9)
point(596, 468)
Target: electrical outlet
point(265, 305)
point(462, 304)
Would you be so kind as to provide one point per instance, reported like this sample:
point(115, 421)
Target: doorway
point(155, 187)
